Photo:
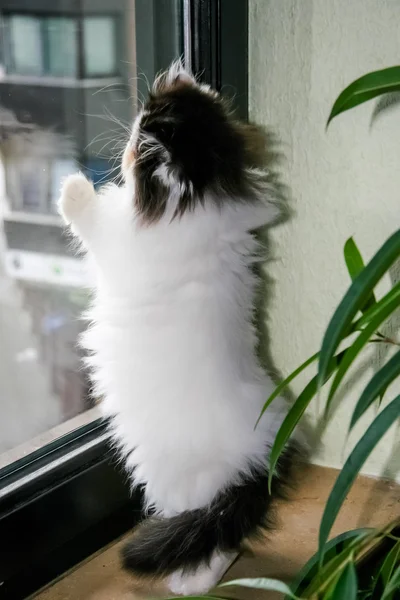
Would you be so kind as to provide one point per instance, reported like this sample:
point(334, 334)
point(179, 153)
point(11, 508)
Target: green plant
point(332, 573)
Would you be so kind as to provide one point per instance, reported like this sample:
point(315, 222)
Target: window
point(60, 35)
point(35, 162)
point(59, 169)
point(26, 45)
point(71, 80)
point(42, 45)
point(58, 46)
point(99, 59)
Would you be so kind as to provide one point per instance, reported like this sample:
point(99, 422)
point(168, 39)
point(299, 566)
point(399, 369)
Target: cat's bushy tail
point(162, 546)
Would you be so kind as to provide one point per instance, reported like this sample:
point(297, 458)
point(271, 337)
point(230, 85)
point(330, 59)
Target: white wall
point(344, 182)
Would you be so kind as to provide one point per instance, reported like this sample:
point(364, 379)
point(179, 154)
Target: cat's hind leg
point(203, 579)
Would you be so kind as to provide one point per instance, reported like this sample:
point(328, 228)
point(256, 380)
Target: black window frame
point(69, 499)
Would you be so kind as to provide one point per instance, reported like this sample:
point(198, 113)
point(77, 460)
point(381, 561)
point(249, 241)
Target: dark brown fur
point(195, 138)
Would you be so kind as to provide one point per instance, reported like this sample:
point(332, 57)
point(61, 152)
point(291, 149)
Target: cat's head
point(187, 148)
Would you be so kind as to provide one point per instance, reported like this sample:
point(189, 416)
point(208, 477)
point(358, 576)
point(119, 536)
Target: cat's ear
point(175, 76)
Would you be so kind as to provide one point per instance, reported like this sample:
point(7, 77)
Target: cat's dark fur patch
point(187, 540)
point(189, 144)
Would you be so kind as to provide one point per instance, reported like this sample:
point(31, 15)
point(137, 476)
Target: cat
point(171, 340)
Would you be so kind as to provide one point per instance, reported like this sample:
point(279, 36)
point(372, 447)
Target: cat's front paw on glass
point(76, 193)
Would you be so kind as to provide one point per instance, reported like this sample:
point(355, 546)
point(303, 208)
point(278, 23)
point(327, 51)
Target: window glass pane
point(62, 121)
point(33, 175)
point(60, 168)
point(99, 44)
point(26, 45)
point(100, 170)
point(61, 51)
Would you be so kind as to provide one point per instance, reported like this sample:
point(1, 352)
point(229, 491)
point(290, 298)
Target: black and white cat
point(171, 344)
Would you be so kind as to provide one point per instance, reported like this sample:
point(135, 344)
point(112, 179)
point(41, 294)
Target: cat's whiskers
point(107, 88)
point(103, 135)
point(113, 148)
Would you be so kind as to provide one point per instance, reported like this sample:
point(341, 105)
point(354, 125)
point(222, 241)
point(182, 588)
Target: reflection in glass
point(68, 94)
point(50, 114)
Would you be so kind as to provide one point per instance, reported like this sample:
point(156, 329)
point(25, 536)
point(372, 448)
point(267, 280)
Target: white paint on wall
point(344, 181)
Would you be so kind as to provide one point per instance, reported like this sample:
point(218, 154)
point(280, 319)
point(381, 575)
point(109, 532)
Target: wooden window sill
point(371, 502)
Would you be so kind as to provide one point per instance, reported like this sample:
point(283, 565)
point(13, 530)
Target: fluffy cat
point(171, 344)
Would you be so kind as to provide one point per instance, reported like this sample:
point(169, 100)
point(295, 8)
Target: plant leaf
point(333, 549)
point(354, 299)
point(262, 583)
point(376, 386)
point(351, 468)
point(285, 383)
point(294, 374)
point(294, 415)
point(376, 308)
point(353, 259)
point(355, 265)
point(365, 88)
point(329, 572)
point(381, 396)
point(392, 586)
point(358, 345)
point(345, 587)
point(385, 572)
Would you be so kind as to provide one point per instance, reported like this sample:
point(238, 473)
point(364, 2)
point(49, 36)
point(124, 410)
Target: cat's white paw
point(204, 579)
point(200, 582)
point(76, 193)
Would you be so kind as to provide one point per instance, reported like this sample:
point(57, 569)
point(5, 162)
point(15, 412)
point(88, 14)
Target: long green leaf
point(381, 396)
point(330, 570)
point(376, 386)
point(365, 88)
point(376, 308)
point(354, 299)
point(359, 343)
point(353, 258)
point(294, 415)
point(263, 583)
point(385, 572)
point(355, 265)
point(393, 585)
point(352, 467)
point(345, 588)
point(279, 388)
point(332, 549)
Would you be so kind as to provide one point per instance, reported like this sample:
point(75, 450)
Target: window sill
point(25, 450)
point(371, 502)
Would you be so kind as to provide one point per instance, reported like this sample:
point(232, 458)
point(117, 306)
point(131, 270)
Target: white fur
point(204, 579)
point(172, 345)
